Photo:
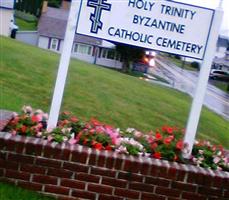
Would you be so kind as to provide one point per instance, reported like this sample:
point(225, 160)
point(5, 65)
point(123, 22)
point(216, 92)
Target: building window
point(111, 54)
point(83, 49)
point(54, 44)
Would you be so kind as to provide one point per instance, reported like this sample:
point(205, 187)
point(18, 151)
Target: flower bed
point(164, 143)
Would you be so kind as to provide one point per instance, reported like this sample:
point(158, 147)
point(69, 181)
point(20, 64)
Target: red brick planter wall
point(68, 172)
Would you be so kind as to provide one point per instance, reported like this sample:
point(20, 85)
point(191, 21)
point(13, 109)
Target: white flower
point(130, 130)
point(201, 152)
point(219, 153)
point(216, 160)
point(39, 111)
point(27, 109)
point(15, 114)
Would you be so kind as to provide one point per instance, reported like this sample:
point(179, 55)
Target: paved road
point(186, 81)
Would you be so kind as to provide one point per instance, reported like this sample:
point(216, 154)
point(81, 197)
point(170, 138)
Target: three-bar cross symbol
point(99, 6)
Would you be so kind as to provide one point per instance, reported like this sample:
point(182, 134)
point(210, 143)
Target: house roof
point(53, 24)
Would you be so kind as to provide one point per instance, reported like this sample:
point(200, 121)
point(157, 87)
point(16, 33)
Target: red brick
point(49, 151)
point(83, 194)
point(20, 158)
point(141, 187)
point(30, 147)
point(114, 182)
point(87, 177)
point(172, 173)
point(154, 171)
point(2, 143)
point(60, 173)
point(130, 177)
point(80, 157)
point(150, 196)
point(17, 175)
point(65, 154)
point(118, 163)
point(127, 193)
point(101, 160)
point(181, 175)
point(75, 167)
point(110, 162)
point(103, 172)
point(132, 167)
point(56, 189)
point(195, 178)
point(10, 144)
point(32, 169)
point(108, 197)
point(20, 145)
point(226, 193)
point(65, 198)
point(100, 189)
point(192, 196)
point(210, 191)
point(226, 183)
point(48, 162)
point(163, 172)
point(1, 172)
point(217, 182)
point(92, 158)
point(30, 186)
point(9, 165)
point(3, 155)
point(39, 148)
point(157, 181)
point(184, 186)
point(45, 179)
point(145, 168)
point(73, 184)
point(167, 192)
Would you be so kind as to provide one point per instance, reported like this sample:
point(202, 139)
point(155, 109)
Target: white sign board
point(8, 4)
point(159, 25)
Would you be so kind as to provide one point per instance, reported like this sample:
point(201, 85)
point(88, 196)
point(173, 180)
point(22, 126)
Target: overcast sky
point(214, 4)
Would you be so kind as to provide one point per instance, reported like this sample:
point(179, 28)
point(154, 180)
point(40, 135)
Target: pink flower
point(39, 134)
point(216, 160)
point(50, 138)
point(72, 141)
point(13, 132)
point(138, 134)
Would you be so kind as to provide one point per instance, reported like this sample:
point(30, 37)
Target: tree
point(129, 54)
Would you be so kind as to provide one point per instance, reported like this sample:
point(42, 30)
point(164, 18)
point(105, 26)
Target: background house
point(6, 15)
point(51, 31)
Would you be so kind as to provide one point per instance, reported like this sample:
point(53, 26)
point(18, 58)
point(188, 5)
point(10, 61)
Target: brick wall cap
point(142, 160)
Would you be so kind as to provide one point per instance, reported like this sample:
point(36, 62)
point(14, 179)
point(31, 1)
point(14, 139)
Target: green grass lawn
point(221, 85)
point(25, 25)
point(28, 75)
point(180, 63)
point(9, 192)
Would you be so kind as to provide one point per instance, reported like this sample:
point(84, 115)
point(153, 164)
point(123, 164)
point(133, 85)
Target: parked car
point(219, 75)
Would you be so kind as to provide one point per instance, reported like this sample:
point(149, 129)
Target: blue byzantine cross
point(99, 6)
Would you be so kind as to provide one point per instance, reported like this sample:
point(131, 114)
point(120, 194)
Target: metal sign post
point(63, 65)
point(197, 103)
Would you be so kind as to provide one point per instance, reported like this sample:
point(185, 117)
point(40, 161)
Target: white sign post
point(202, 83)
point(166, 26)
point(63, 65)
